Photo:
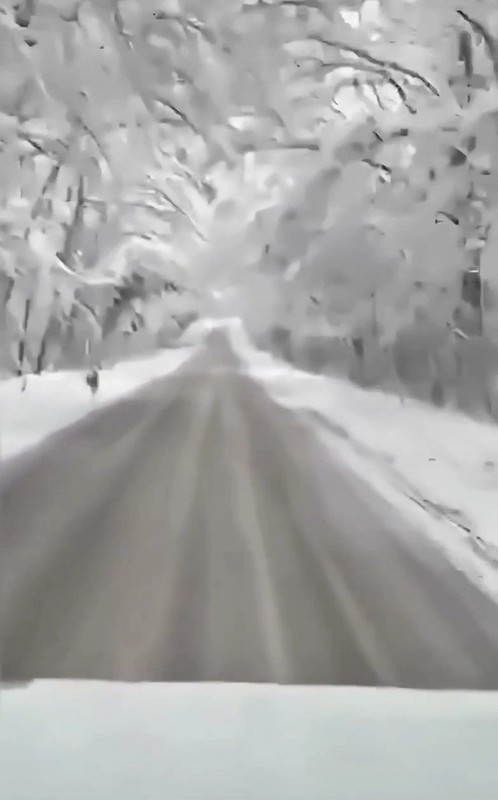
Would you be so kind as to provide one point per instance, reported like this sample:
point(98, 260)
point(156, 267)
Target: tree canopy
point(327, 163)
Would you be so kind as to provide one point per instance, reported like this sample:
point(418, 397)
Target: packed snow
point(439, 465)
point(217, 741)
point(398, 138)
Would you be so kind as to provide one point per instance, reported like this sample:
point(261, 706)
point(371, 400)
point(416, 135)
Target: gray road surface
point(198, 531)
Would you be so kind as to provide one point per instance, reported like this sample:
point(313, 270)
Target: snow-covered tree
point(306, 164)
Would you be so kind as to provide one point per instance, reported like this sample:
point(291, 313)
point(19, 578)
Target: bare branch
point(39, 149)
point(22, 341)
point(160, 212)
point(387, 65)
point(93, 137)
point(52, 177)
point(377, 165)
point(118, 19)
point(187, 23)
point(489, 40)
point(451, 217)
point(24, 12)
point(310, 146)
point(378, 70)
point(373, 86)
point(178, 208)
point(67, 253)
point(317, 5)
point(175, 110)
point(401, 94)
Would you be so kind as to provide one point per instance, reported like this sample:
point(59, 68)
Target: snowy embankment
point(440, 466)
point(115, 740)
point(52, 400)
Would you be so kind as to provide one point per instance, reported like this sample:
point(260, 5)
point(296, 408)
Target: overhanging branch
point(385, 64)
point(489, 40)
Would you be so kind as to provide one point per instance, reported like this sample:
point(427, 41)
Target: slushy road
point(197, 531)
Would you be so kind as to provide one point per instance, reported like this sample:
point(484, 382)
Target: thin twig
point(178, 208)
point(72, 229)
point(175, 110)
point(377, 165)
point(361, 53)
point(489, 40)
point(401, 94)
point(309, 145)
point(186, 23)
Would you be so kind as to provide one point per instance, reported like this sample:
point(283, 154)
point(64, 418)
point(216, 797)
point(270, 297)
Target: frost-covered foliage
point(325, 169)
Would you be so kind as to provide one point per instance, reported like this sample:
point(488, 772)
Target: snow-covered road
point(197, 530)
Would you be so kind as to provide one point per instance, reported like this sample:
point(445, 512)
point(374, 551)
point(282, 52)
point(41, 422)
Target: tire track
point(436, 628)
point(326, 647)
point(210, 535)
point(57, 600)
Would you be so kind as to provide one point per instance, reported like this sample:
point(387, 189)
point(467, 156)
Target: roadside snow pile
point(33, 408)
point(53, 400)
point(437, 462)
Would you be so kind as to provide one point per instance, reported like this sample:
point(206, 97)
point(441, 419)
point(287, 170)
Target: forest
point(325, 170)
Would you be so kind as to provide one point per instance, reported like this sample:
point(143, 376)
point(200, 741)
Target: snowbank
point(440, 466)
point(53, 400)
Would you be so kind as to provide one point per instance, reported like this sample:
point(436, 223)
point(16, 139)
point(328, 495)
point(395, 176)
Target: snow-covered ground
point(83, 741)
point(70, 740)
point(439, 465)
point(53, 400)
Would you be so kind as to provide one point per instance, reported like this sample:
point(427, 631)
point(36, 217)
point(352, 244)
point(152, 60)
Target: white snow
point(83, 741)
point(227, 742)
point(438, 466)
point(54, 400)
